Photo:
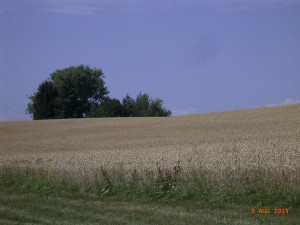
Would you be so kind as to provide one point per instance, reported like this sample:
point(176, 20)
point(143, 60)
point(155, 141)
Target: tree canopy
point(143, 105)
point(80, 91)
point(68, 93)
point(43, 102)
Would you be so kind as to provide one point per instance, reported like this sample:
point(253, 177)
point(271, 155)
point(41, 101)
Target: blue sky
point(198, 56)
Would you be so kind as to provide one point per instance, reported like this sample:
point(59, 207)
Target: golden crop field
point(266, 138)
point(249, 159)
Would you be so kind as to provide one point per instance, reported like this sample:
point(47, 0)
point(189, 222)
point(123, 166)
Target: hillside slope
point(266, 136)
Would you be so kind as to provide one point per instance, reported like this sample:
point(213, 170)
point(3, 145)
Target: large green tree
point(68, 93)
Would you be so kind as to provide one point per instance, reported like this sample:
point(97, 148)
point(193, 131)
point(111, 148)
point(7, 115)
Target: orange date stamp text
point(274, 211)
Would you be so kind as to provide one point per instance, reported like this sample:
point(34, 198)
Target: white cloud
point(178, 112)
point(246, 4)
point(88, 7)
point(287, 101)
point(75, 10)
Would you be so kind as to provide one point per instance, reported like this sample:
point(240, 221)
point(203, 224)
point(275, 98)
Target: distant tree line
point(77, 92)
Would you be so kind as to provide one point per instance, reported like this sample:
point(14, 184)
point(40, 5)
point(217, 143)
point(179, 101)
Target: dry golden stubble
point(267, 138)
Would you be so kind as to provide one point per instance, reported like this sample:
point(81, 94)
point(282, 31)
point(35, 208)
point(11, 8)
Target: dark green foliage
point(69, 93)
point(108, 108)
point(79, 88)
point(128, 104)
point(142, 106)
point(156, 108)
point(43, 103)
point(80, 91)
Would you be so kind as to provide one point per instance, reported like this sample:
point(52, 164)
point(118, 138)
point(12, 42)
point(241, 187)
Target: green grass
point(30, 196)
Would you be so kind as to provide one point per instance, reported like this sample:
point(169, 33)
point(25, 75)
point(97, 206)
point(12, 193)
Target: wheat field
point(266, 138)
point(99, 170)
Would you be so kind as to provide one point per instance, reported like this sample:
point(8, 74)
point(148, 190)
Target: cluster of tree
point(142, 106)
point(77, 92)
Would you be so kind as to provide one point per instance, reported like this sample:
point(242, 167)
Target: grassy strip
point(31, 196)
point(32, 208)
point(164, 186)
